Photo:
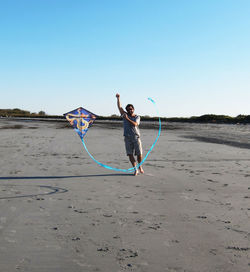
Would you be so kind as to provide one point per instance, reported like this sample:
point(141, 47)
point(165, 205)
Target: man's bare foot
point(141, 170)
point(136, 172)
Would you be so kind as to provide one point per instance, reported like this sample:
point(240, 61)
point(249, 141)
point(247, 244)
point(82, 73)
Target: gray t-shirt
point(129, 129)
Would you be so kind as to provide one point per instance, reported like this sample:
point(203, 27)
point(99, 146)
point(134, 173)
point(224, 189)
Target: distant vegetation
point(20, 113)
point(207, 118)
point(212, 118)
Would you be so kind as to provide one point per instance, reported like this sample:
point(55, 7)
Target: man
point(131, 134)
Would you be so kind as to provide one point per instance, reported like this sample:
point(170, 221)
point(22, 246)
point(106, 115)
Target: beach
point(60, 211)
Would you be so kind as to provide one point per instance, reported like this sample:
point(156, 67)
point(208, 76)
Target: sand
point(59, 211)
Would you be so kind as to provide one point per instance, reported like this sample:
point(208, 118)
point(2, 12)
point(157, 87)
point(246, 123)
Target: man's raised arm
point(119, 105)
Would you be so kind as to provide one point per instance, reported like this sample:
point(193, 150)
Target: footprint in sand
point(238, 248)
point(210, 180)
point(80, 211)
point(201, 216)
point(155, 226)
point(126, 253)
point(107, 215)
point(103, 249)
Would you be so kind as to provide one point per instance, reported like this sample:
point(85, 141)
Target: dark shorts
point(133, 145)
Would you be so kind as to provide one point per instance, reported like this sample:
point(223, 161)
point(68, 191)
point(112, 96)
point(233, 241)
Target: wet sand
point(59, 211)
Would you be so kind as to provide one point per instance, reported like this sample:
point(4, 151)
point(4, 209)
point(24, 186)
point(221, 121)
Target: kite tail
point(139, 164)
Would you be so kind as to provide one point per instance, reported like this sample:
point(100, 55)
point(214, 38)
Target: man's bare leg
point(139, 158)
point(132, 160)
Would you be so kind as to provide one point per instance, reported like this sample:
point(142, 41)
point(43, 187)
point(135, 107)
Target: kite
point(81, 120)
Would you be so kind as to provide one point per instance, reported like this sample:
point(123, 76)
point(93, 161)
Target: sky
point(191, 56)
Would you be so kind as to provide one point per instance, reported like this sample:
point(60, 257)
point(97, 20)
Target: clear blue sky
point(191, 56)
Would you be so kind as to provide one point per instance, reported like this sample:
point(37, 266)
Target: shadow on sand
point(54, 190)
point(64, 177)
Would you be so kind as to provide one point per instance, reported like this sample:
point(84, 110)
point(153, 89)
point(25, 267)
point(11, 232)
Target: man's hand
point(117, 95)
point(125, 116)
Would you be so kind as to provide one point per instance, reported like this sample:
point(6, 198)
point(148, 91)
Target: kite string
point(139, 164)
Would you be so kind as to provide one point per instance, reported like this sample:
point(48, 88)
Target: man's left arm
point(134, 123)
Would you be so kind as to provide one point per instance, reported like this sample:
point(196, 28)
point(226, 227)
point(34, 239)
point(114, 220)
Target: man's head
point(130, 109)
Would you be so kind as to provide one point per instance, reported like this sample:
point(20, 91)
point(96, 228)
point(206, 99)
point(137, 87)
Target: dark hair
point(129, 105)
